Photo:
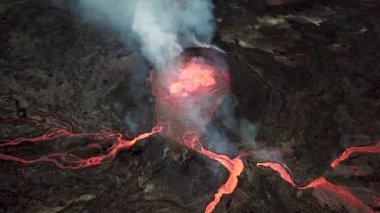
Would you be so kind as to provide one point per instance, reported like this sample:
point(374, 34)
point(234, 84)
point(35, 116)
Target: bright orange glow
point(235, 167)
point(339, 192)
point(280, 169)
point(346, 154)
point(193, 76)
point(65, 160)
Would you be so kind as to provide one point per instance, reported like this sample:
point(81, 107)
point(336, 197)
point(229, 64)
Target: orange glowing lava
point(234, 166)
point(191, 77)
point(280, 169)
point(352, 150)
point(65, 160)
point(352, 203)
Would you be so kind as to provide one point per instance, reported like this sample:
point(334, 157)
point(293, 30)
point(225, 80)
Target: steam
point(161, 27)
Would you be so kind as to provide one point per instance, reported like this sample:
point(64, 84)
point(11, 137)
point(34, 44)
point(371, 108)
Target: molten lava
point(234, 166)
point(66, 160)
point(352, 203)
point(187, 96)
point(352, 150)
point(193, 77)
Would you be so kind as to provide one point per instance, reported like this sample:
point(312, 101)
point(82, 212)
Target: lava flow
point(356, 149)
point(66, 160)
point(234, 166)
point(323, 186)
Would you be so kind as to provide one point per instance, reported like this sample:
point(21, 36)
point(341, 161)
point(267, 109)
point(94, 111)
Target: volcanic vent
point(188, 90)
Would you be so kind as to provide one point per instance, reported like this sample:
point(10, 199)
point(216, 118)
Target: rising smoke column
point(161, 27)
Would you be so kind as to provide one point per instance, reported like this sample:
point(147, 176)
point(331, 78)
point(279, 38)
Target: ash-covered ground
point(306, 73)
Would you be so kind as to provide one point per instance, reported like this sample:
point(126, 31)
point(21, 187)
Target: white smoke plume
point(162, 27)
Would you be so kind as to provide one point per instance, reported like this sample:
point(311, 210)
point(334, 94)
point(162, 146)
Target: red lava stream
point(233, 165)
point(338, 191)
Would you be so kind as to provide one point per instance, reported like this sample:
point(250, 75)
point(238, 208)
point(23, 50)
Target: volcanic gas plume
point(160, 28)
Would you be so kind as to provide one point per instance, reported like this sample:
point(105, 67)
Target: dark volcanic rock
point(307, 73)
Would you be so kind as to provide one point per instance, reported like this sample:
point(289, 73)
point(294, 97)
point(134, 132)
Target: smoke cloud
point(162, 27)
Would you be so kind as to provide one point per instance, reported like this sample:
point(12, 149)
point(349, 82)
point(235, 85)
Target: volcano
point(279, 113)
